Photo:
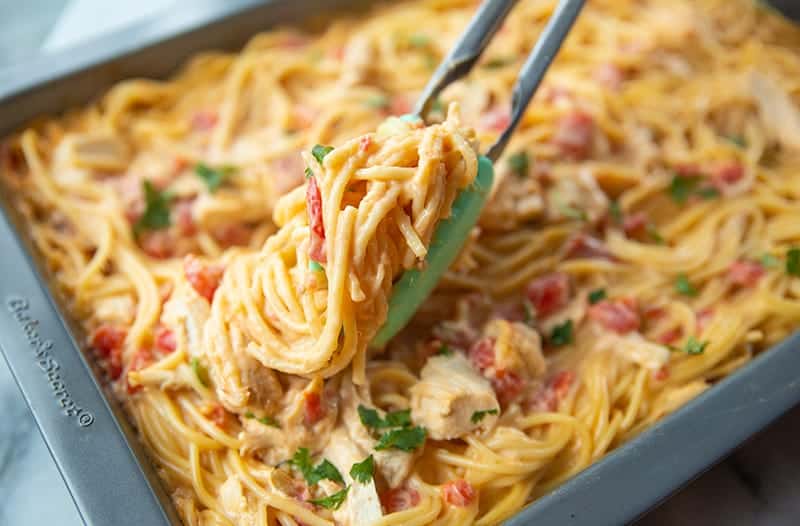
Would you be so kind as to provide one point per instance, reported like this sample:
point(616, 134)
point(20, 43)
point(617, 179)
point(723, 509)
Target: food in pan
point(641, 242)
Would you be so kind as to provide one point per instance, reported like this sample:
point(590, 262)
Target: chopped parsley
point(769, 261)
point(597, 295)
point(654, 234)
point(793, 261)
point(266, 420)
point(419, 40)
point(694, 346)
point(377, 102)
point(404, 439)
point(319, 152)
point(333, 501)
point(684, 286)
point(324, 470)
point(573, 212)
point(363, 471)
point(682, 187)
point(370, 418)
point(615, 211)
point(498, 62)
point(477, 416)
point(530, 313)
point(315, 266)
point(309, 173)
point(519, 163)
point(707, 192)
point(156, 214)
point(561, 334)
point(200, 372)
point(444, 350)
point(213, 177)
point(737, 140)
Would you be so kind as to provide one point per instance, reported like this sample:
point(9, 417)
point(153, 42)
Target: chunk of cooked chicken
point(392, 464)
point(450, 392)
point(357, 61)
point(517, 347)
point(576, 196)
point(363, 506)
point(98, 151)
point(634, 347)
point(233, 501)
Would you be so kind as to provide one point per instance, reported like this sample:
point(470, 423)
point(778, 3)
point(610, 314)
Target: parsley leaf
point(156, 211)
point(616, 212)
point(308, 172)
point(708, 192)
point(519, 163)
point(333, 501)
point(682, 187)
point(769, 261)
point(793, 261)
point(573, 212)
point(597, 295)
point(405, 439)
point(477, 416)
point(319, 152)
point(419, 40)
point(694, 346)
point(444, 350)
point(377, 101)
point(213, 177)
point(370, 418)
point(684, 286)
point(561, 334)
point(324, 470)
point(200, 372)
point(737, 140)
point(498, 62)
point(363, 471)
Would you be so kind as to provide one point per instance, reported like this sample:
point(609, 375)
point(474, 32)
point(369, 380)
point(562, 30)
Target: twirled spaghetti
point(641, 242)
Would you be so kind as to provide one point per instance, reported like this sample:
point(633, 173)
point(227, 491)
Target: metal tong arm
point(467, 51)
point(536, 65)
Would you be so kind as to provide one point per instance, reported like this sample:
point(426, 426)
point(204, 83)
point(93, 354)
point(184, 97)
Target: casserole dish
point(89, 438)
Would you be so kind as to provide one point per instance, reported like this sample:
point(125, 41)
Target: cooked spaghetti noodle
point(641, 242)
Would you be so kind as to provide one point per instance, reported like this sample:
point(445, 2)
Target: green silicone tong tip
point(415, 285)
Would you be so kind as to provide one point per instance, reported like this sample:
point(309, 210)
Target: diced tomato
point(662, 373)
point(671, 336)
point(316, 249)
point(635, 225)
point(574, 135)
point(165, 340)
point(507, 385)
point(106, 338)
point(232, 234)
point(203, 278)
point(653, 313)
point(218, 415)
point(159, 244)
point(556, 389)
point(185, 218)
point(745, 273)
point(703, 318)
point(179, 164)
point(458, 493)
point(364, 143)
point(616, 315)
point(584, 246)
point(609, 75)
point(312, 406)
point(726, 174)
point(114, 364)
point(399, 499)
point(204, 120)
point(399, 105)
point(481, 353)
point(548, 293)
point(496, 119)
point(141, 359)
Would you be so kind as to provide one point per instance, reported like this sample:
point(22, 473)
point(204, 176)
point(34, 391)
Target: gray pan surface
point(95, 449)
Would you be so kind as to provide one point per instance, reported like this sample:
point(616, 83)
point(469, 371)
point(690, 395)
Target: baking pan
point(97, 452)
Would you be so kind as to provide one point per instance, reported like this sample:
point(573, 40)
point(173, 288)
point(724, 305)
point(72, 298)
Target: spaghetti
point(641, 242)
